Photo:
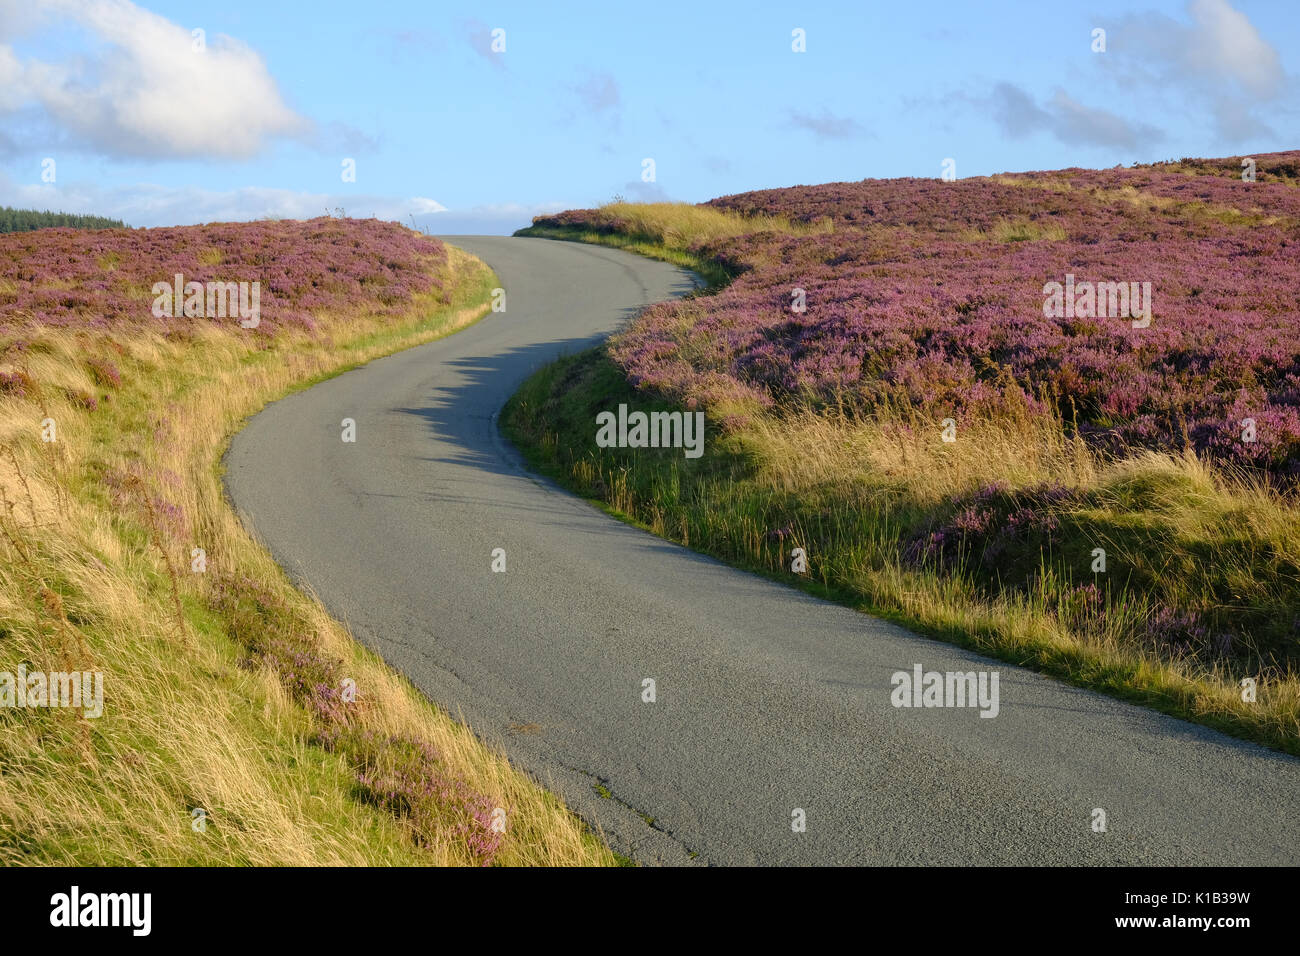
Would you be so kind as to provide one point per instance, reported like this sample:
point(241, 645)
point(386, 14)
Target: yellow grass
point(677, 224)
point(800, 449)
point(1017, 230)
point(187, 723)
point(873, 462)
point(852, 486)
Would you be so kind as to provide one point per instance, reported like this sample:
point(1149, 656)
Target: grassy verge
point(226, 691)
point(672, 232)
point(990, 542)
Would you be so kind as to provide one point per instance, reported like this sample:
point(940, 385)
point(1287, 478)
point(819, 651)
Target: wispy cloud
point(826, 125)
point(411, 43)
point(344, 139)
point(599, 93)
point(1077, 124)
point(478, 35)
point(421, 206)
point(1018, 115)
point(1015, 111)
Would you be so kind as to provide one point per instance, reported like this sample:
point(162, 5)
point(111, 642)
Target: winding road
point(771, 707)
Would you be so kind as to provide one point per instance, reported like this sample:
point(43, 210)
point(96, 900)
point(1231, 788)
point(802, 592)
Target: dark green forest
point(24, 220)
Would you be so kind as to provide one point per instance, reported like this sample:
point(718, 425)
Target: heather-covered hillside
point(228, 734)
point(306, 270)
point(1054, 416)
point(933, 292)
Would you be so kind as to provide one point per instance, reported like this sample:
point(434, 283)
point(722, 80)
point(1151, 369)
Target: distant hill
point(25, 220)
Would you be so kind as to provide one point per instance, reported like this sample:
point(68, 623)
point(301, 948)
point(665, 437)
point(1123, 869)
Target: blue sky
point(144, 123)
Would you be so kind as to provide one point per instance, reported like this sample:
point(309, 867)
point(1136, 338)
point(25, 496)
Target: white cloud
point(1225, 41)
point(11, 75)
point(496, 219)
point(153, 205)
point(1218, 63)
point(145, 91)
point(421, 206)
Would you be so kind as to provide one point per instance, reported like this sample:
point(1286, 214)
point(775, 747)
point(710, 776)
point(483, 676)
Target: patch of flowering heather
point(931, 206)
point(999, 534)
point(306, 269)
point(406, 777)
point(1283, 167)
point(1077, 202)
point(403, 775)
point(1275, 427)
point(83, 399)
point(987, 525)
point(955, 323)
point(15, 383)
point(1261, 199)
point(1083, 609)
point(1179, 633)
point(165, 516)
point(104, 372)
point(256, 615)
point(584, 219)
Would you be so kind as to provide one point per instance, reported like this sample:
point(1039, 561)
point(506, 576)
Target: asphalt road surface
point(771, 708)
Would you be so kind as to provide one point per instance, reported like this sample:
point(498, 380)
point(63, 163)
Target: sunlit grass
point(672, 232)
point(851, 487)
point(92, 568)
point(1021, 230)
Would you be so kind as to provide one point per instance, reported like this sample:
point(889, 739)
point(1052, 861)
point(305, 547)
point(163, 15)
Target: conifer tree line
point(25, 220)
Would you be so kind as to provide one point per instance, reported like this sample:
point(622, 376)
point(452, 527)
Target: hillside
point(1053, 415)
point(235, 722)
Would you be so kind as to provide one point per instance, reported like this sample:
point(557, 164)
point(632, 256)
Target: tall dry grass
point(672, 232)
point(98, 529)
point(678, 225)
point(852, 488)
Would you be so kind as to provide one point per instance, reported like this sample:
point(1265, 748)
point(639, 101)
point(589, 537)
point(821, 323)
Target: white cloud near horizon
point(153, 205)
